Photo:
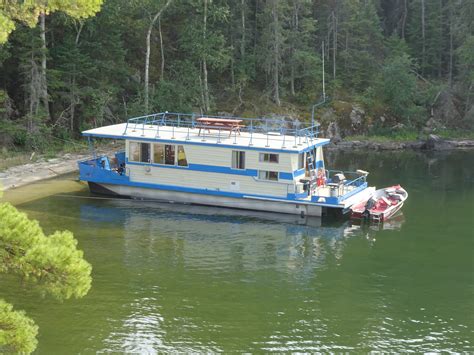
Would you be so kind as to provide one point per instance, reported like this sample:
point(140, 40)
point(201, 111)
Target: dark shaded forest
point(388, 65)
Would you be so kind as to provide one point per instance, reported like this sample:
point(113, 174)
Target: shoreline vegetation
point(27, 168)
point(395, 77)
point(390, 68)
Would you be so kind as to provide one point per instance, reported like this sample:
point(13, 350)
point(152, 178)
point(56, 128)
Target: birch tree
point(153, 21)
point(28, 12)
point(271, 45)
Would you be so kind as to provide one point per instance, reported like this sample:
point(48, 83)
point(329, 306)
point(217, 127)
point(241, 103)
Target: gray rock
point(333, 132)
point(445, 111)
point(434, 137)
point(434, 142)
point(357, 117)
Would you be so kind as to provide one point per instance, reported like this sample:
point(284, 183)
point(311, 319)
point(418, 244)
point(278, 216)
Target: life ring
point(321, 178)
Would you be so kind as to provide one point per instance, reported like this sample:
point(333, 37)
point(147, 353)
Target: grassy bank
point(410, 136)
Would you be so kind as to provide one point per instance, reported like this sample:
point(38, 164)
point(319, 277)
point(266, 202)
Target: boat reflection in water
point(191, 270)
point(201, 233)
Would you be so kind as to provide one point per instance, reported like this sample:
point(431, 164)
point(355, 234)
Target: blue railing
point(267, 126)
point(353, 178)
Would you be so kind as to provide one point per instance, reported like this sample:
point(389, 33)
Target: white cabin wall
point(253, 162)
point(222, 157)
point(294, 161)
point(204, 155)
point(216, 156)
point(212, 155)
point(207, 180)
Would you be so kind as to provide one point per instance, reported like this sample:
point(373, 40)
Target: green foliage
point(383, 135)
point(28, 12)
point(17, 331)
point(466, 59)
point(397, 88)
point(375, 54)
point(52, 264)
point(364, 43)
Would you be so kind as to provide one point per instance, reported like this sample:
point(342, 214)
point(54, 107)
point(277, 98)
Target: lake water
point(196, 279)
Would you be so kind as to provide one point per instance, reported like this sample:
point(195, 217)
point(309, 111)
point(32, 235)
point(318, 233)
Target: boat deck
point(265, 134)
point(348, 196)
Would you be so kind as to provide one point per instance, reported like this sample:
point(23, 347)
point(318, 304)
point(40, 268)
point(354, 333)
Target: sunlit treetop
point(28, 11)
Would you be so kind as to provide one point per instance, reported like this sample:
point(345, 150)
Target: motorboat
point(382, 205)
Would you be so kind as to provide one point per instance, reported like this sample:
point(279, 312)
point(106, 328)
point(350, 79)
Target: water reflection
point(192, 279)
point(203, 237)
point(193, 265)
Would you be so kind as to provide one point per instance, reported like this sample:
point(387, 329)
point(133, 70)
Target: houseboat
point(259, 164)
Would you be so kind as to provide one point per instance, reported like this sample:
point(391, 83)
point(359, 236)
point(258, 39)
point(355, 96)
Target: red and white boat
point(382, 205)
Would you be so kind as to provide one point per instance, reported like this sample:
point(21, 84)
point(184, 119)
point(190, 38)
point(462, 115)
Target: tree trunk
point(73, 81)
point(404, 17)
point(255, 28)
point(423, 48)
point(232, 60)
point(204, 63)
point(242, 43)
point(44, 81)
point(148, 50)
point(450, 69)
point(162, 50)
point(346, 49)
point(292, 63)
point(440, 47)
point(334, 45)
point(276, 54)
point(202, 89)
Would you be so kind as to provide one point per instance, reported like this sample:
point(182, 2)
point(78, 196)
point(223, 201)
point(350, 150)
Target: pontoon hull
point(269, 205)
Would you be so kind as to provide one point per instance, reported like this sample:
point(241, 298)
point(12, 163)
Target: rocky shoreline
point(433, 142)
point(43, 169)
point(49, 168)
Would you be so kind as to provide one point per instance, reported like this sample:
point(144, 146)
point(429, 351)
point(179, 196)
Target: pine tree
point(361, 53)
point(51, 264)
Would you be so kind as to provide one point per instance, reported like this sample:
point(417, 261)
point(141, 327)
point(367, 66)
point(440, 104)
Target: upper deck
point(248, 133)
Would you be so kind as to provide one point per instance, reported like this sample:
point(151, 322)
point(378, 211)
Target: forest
point(389, 65)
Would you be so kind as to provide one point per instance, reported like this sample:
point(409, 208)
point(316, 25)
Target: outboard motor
point(370, 204)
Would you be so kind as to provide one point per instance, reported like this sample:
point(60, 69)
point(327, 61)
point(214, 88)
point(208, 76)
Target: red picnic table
point(221, 124)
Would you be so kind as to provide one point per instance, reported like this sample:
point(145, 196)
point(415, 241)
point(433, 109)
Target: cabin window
point(139, 152)
point(268, 175)
point(145, 152)
point(182, 161)
point(164, 154)
point(300, 161)
point(134, 151)
point(238, 159)
point(269, 158)
point(159, 153)
point(170, 154)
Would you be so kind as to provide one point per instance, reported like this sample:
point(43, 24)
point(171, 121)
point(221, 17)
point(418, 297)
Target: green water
point(170, 277)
